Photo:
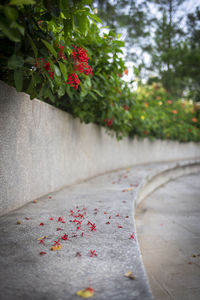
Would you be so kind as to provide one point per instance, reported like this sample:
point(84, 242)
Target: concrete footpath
point(79, 237)
point(168, 229)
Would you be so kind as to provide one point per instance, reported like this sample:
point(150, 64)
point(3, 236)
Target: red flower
point(194, 120)
point(109, 122)
point(82, 234)
point(58, 229)
point(127, 217)
point(119, 226)
point(64, 237)
point(174, 111)
point(93, 227)
point(60, 219)
point(71, 212)
point(61, 55)
point(126, 72)
point(126, 107)
point(109, 217)
point(57, 243)
point(47, 66)
point(117, 215)
point(41, 242)
point(51, 219)
point(41, 224)
point(27, 218)
point(61, 47)
point(132, 237)
point(42, 253)
point(92, 253)
point(51, 74)
point(73, 81)
point(107, 222)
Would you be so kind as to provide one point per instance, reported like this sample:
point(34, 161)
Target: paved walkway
point(94, 223)
point(168, 229)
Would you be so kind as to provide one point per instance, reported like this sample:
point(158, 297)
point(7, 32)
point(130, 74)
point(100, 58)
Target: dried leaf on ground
point(43, 237)
point(86, 293)
point(129, 275)
point(56, 247)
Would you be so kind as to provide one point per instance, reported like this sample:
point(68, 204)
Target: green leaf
point(52, 7)
point(17, 26)
point(63, 69)
point(33, 46)
point(11, 13)
point(15, 62)
point(56, 70)
point(61, 91)
point(21, 2)
point(94, 17)
point(97, 92)
point(18, 77)
point(82, 23)
point(12, 34)
point(50, 95)
point(51, 49)
point(119, 43)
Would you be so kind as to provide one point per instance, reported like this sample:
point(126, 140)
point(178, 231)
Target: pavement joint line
point(60, 274)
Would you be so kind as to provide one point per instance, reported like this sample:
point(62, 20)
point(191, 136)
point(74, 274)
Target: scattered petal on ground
point(129, 275)
point(86, 293)
point(43, 253)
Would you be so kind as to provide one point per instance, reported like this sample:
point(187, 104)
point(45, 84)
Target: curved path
point(94, 223)
point(168, 229)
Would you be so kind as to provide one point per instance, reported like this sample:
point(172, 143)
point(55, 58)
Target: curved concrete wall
point(44, 149)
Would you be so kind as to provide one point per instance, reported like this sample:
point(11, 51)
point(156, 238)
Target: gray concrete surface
point(43, 149)
point(24, 274)
point(168, 230)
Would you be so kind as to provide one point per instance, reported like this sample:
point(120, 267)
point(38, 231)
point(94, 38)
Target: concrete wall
point(44, 149)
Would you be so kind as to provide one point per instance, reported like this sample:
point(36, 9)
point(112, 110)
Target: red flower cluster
point(79, 54)
point(73, 80)
point(80, 58)
point(41, 64)
point(60, 53)
point(108, 122)
point(126, 107)
point(83, 67)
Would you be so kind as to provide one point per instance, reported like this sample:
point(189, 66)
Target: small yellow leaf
point(129, 189)
point(19, 222)
point(35, 201)
point(56, 247)
point(86, 293)
point(129, 275)
point(43, 237)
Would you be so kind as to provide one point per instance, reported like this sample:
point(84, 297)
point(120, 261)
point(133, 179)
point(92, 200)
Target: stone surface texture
point(168, 229)
point(25, 274)
point(43, 149)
